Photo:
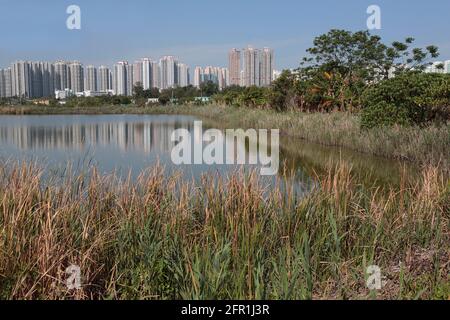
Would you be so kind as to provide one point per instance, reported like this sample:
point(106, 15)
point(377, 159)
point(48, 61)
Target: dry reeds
point(159, 237)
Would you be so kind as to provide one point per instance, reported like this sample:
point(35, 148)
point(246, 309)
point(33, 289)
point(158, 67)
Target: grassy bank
point(162, 238)
point(429, 145)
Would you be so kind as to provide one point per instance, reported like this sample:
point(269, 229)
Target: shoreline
point(420, 146)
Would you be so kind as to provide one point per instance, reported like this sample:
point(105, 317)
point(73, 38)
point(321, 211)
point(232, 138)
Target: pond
point(126, 144)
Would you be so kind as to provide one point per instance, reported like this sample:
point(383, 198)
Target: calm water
point(131, 143)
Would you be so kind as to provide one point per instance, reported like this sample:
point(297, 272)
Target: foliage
point(362, 56)
point(283, 91)
point(343, 64)
point(255, 97)
point(139, 92)
point(340, 67)
point(208, 89)
point(411, 98)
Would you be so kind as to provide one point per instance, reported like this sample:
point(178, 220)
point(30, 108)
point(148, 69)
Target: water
point(132, 143)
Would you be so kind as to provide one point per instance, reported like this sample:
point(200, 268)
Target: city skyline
point(111, 32)
point(31, 79)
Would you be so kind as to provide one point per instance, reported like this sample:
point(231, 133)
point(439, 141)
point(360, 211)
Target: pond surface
point(132, 143)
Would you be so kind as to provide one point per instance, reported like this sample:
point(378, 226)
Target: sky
point(201, 32)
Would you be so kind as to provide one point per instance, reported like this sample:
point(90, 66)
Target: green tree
point(283, 91)
point(209, 88)
point(138, 91)
point(342, 64)
point(164, 98)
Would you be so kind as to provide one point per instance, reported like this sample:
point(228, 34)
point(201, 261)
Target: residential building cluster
point(43, 79)
point(25, 79)
point(251, 67)
point(217, 75)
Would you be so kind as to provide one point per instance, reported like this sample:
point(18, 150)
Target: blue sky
point(200, 32)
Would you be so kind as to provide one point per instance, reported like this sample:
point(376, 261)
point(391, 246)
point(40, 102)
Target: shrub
point(411, 98)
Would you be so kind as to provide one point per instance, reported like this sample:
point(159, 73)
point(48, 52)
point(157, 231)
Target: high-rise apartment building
point(169, 72)
point(43, 79)
point(218, 75)
point(156, 75)
point(21, 79)
point(130, 81)
point(224, 78)
point(36, 80)
point(234, 67)
point(62, 76)
point(5, 83)
point(198, 73)
point(48, 79)
point(183, 75)
point(147, 73)
point(76, 72)
point(137, 73)
point(252, 61)
point(266, 67)
point(104, 79)
point(257, 67)
point(120, 78)
point(90, 79)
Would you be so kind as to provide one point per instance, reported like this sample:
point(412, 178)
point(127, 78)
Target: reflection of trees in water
point(313, 158)
point(143, 136)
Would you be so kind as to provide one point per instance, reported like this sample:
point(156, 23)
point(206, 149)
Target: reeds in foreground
point(159, 237)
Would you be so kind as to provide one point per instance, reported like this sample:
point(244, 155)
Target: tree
point(209, 88)
point(164, 98)
point(138, 91)
point(283, 90)
point(365, 56)
point(342, 64)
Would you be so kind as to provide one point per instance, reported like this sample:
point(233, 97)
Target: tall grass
point(160, 237)
point(422, 145)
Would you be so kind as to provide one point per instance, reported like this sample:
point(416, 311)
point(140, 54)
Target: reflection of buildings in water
point(141, 136)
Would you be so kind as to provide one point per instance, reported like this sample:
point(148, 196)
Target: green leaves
point(408, 99)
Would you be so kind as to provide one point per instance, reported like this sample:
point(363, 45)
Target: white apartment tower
point(168, 71)
point(21, 79)
point(183, 75)
point(147, 74)
point(90, 79)
point(104, 79)
point(76, 76)
point(120, 78)
point(198, 73)
point(62, 78)
point(224, 78)
point(5, 83)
